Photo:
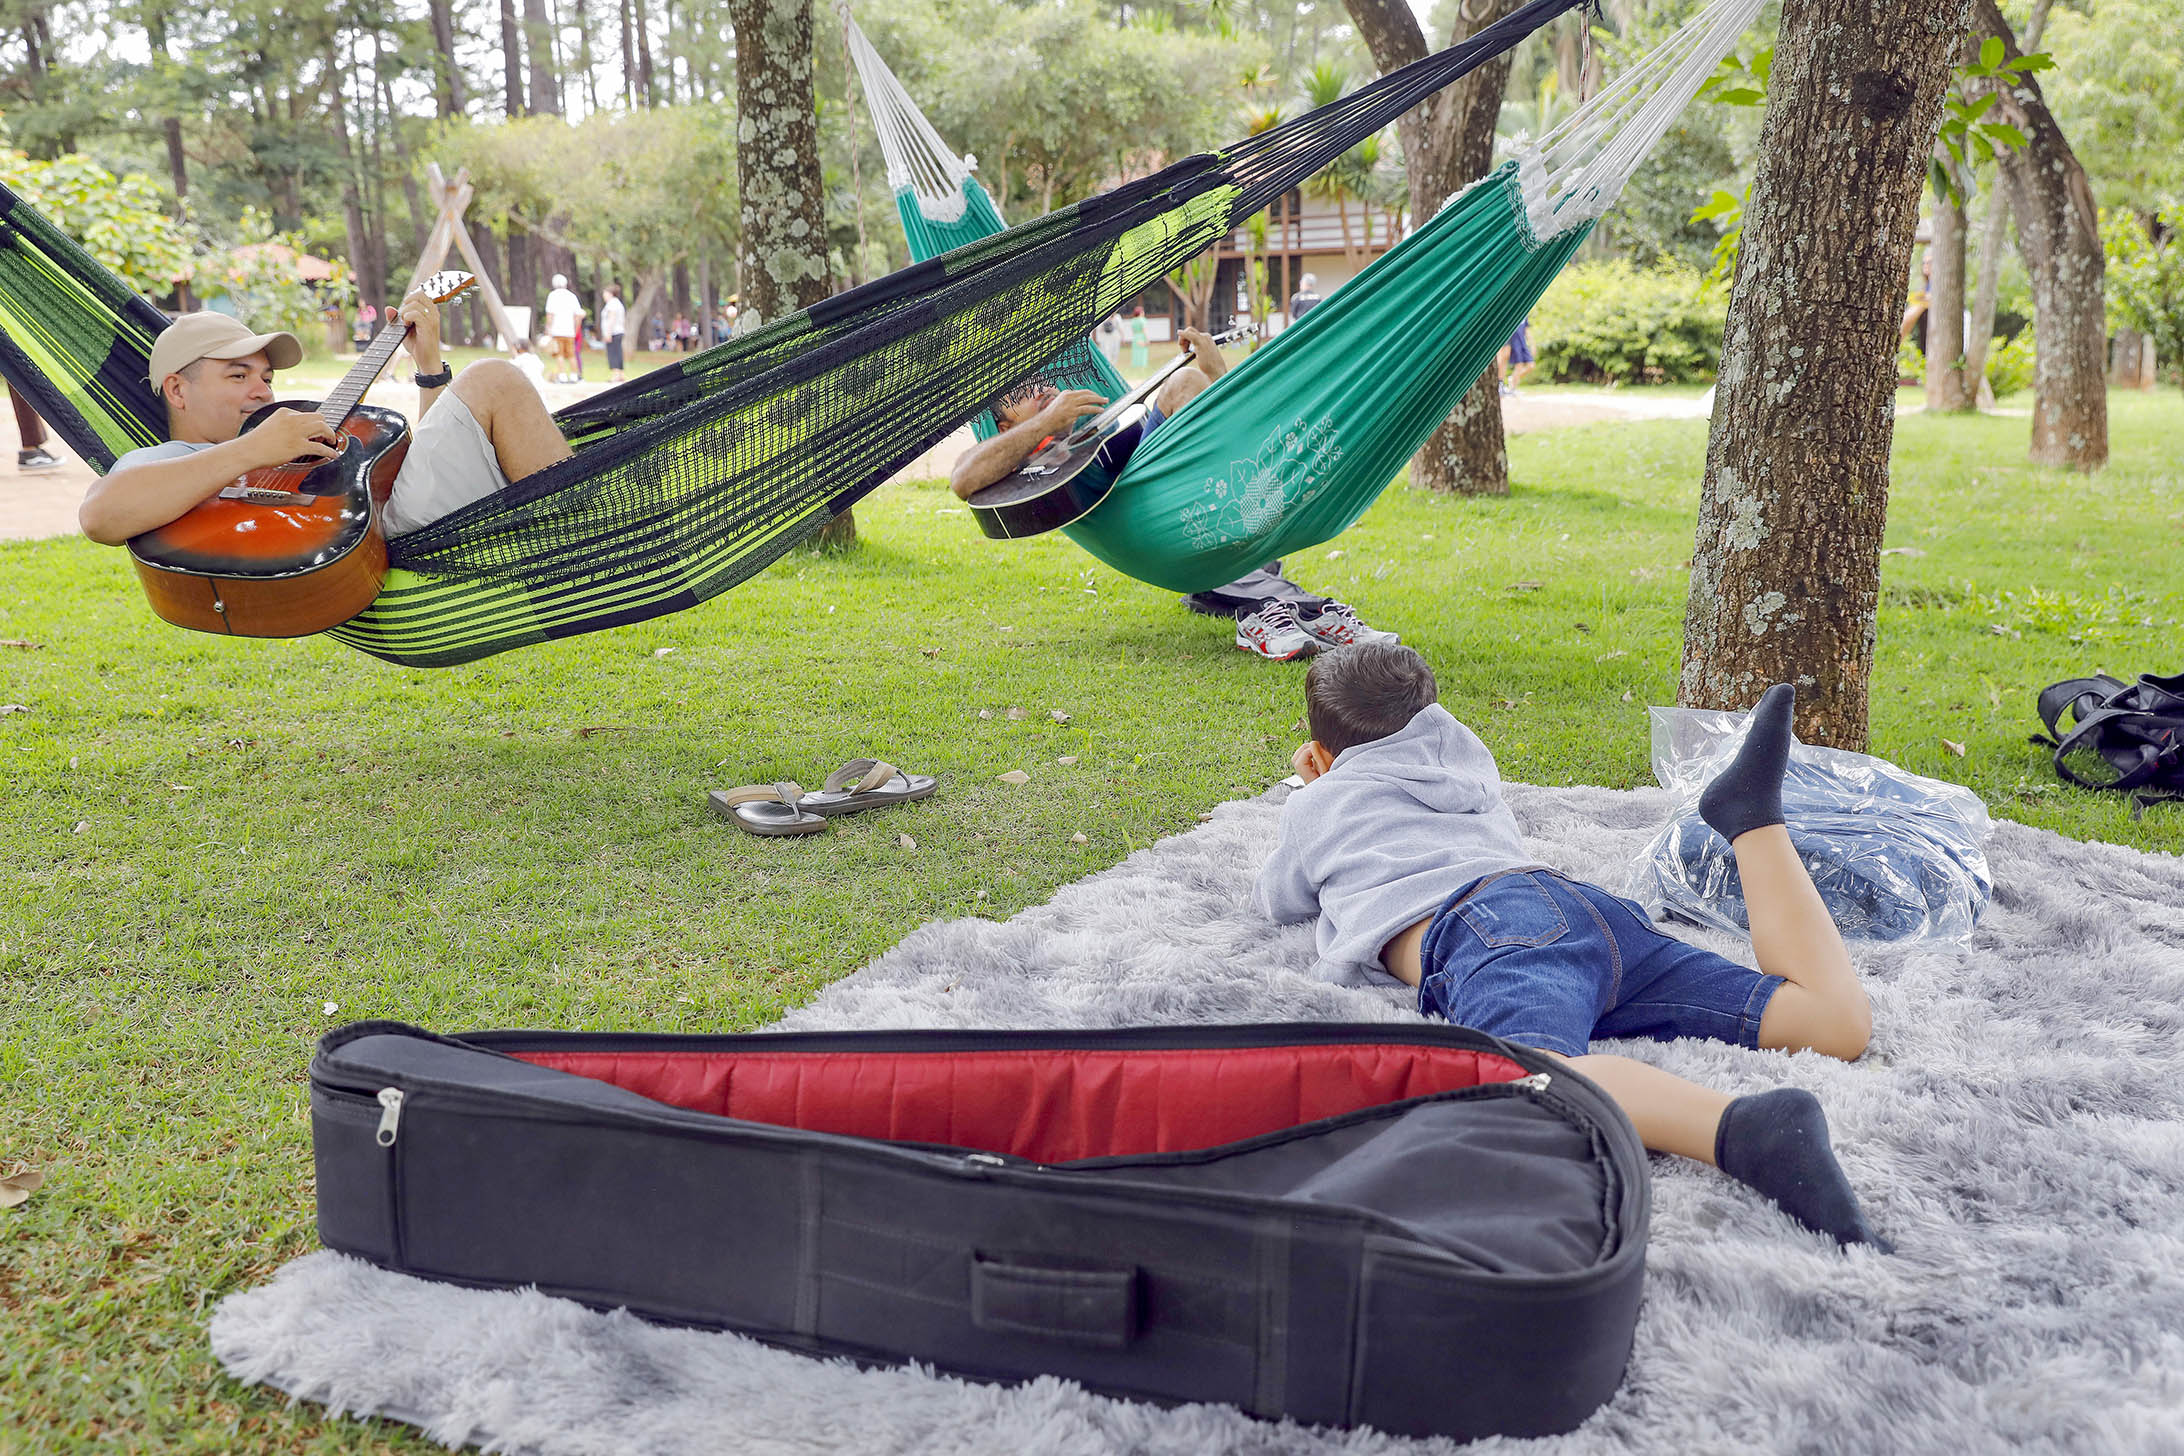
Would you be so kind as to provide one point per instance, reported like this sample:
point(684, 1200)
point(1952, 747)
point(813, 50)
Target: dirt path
point(43, 503)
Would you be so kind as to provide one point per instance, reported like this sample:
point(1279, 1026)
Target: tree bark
point(538, 47)
point(1447, 143)
point(645, 86)
point(2058, 232)
point(511, 60)
point(1948, 388)
point(1785, 575)
point(1977, 347)
point(784, 245)
point(447, 77)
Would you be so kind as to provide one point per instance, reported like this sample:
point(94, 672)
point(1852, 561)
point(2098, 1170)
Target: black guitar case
point(1417, 1228)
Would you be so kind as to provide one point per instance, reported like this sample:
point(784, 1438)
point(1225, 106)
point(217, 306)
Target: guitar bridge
point(259, 495)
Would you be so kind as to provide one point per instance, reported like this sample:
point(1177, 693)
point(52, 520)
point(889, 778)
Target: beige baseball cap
point(209, 335)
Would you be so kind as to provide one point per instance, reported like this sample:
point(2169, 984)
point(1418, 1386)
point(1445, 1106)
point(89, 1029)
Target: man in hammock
point(470, 439)
point(1274, 617)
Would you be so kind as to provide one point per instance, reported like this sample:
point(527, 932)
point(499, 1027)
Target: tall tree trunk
point(1448, 142)
point(645, 87)
point(352, 202)
point(2058, 231)
point(538, 48)
point(1785, 576)
point(784, 244)
point(1948, 388)
point(1991, 238)
point(511, 60)
point(447, 77)
point(584, 55)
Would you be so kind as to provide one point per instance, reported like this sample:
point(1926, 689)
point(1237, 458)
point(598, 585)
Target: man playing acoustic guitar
point(1275, 618)
point(469, 441)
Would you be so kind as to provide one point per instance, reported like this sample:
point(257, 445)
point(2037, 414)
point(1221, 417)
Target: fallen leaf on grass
point(1016, 776)
point(1016, 715)
point(979, 895)
point(1078, 839)
point(1526, 585)
point(7, 708)
point(1626, 695)
point(1058, 715)
point(906, 841)
point(985, 712)
point(590, 728)
point(1903, 551)
point(17, 1187)
point(332, 1007)
point(1336, 555)
point(1618, 652)
point(1206, 818)
point(21, 644)
point(663, 652)
point(1955, 748)
point(1066, 760)
point(930, 651)
point(81, 826)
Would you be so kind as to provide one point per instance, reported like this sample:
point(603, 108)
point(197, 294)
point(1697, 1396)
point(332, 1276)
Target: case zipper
point(390, 1118)
point(1537, 1082)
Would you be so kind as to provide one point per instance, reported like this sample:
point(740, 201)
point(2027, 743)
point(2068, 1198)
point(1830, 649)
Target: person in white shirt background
point(613, 321)
point(564, 316)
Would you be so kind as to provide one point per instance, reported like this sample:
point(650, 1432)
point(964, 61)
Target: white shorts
point(450, 464)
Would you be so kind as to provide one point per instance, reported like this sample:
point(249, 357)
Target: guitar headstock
point(441, 287)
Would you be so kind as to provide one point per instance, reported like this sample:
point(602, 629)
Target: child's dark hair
point(1356, 694)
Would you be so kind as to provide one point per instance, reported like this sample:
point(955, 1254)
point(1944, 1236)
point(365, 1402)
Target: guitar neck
point(377, 356)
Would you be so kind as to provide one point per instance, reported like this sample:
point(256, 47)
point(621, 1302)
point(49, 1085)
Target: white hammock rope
point(916, 156)
point(1575, 172)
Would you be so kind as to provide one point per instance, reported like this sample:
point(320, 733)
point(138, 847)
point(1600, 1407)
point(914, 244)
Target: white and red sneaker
point(1337, 625)
point(1273, 631)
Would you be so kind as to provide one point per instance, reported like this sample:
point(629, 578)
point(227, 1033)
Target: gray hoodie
point(1375, 844)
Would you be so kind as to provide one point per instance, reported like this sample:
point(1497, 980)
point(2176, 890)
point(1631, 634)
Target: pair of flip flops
point(784, 808)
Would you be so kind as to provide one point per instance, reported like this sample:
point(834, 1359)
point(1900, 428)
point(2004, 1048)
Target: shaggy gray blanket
point(2017, 1128)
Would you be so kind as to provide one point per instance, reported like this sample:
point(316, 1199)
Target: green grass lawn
point(210, 841)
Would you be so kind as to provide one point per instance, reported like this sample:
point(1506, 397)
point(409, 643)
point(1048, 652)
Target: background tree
point(1785, 575)
point(783, 256)
point(2059, 234)
point(1448, 142)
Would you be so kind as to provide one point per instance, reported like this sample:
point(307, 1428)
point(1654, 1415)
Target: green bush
point(1614, 321)
point(2009, 366)
point(1910, 362)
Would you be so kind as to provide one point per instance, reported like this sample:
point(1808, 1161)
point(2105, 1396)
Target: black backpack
point(2128, 736)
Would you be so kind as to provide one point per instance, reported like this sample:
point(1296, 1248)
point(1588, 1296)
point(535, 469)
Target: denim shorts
point(1550, 962)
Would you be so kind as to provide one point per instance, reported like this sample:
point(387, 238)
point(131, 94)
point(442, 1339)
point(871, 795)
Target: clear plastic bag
point(1895, 856)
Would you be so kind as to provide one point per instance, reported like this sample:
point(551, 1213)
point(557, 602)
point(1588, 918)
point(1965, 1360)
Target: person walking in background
point(1110, 339)
point(1140, 360)
point(367, 318)
point(33, 455)
point(613, 323)
point(1306, 298)
point(1515, 358)
point(564, 316)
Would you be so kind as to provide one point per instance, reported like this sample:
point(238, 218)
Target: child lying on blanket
point(1401, 846)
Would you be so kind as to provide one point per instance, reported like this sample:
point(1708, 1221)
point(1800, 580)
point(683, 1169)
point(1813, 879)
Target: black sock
point(1747, 794)
point(1777, 1142)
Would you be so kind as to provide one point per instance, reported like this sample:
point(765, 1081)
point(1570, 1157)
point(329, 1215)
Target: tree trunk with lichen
point(1448, 142)
point(784, 243)
point(2059, 234)
point(1785, 575)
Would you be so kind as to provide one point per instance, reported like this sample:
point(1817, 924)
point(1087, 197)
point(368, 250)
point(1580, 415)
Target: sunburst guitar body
point(293, 549)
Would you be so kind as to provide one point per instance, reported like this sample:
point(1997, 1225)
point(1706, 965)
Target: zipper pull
point(390, 1098)
point(1537, 1082)
point(990, 1160)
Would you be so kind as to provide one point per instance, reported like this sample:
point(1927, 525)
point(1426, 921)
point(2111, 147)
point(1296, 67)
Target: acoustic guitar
point(1062, 481)
point(291, 549)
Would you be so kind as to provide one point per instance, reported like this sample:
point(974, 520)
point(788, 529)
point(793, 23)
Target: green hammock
point(697, 476)
point(1288, 448)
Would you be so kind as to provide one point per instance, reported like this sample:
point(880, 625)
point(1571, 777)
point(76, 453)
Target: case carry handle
point(1083, 1304)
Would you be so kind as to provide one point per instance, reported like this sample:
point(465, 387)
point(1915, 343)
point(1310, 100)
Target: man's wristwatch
point(441, 380)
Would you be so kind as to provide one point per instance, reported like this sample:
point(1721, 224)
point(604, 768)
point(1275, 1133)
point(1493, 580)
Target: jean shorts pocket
point(1514, 910)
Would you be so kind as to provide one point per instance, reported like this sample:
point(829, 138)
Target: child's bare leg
point(1775, 1143)
point(1793, 935)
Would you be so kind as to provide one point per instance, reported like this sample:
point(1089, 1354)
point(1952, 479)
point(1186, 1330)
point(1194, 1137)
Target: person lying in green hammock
point(470, 440)
point(1274, 617)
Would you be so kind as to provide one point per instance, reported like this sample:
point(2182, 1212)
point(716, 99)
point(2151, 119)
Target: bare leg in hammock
point(513, 416)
